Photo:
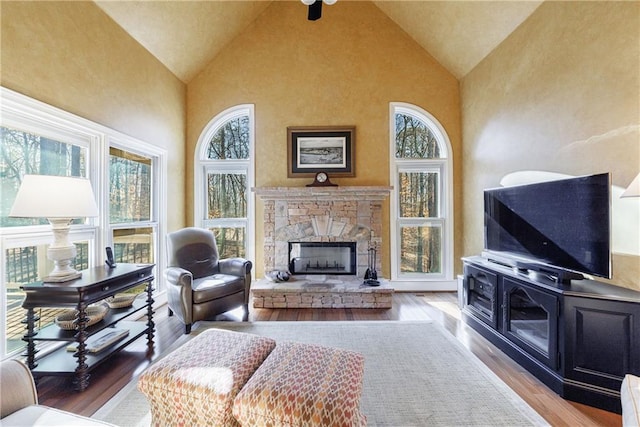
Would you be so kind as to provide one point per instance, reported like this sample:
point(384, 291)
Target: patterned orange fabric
point(303, 385)
point(195, 385)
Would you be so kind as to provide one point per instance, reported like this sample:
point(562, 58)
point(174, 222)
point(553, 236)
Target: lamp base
point(62, 252)
point(60, 279)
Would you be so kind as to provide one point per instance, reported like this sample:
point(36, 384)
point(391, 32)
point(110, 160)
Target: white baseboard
point(159, 300)
point(422, 286)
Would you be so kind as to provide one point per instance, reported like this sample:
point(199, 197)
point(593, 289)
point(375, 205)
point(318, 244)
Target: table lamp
point(60, 199)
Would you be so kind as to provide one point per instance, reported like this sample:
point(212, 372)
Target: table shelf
point(62, 362)
point(54, 333)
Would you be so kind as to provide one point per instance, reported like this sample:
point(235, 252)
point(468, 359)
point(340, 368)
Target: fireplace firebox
point(322, 258)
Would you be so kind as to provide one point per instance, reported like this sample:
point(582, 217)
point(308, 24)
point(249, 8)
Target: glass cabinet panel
point(531, 320)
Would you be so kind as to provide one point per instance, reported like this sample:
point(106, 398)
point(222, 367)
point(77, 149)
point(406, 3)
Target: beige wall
point(73, 56)
point(343, 69)
point(561, 94)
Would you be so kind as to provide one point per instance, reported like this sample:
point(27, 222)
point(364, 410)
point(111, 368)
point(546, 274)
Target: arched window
point(223, 181)
point(421, 204)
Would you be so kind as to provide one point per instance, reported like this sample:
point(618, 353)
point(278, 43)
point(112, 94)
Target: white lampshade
point(44, 196)
point(633, 190)
point(308, 2)
point(60, 199)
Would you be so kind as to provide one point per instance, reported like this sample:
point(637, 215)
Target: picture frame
point(313, 149)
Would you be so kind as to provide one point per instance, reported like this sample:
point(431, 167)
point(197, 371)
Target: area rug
point(416, 374)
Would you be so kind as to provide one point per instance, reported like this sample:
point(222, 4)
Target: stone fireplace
point(321, 214)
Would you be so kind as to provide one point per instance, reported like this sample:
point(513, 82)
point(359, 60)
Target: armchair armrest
point(235, 266)
point(15, 376)
point(177, 276)
point(238, 267)
point(179, 292)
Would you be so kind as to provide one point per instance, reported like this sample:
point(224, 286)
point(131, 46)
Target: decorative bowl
point(66, 319)
point(121, 300)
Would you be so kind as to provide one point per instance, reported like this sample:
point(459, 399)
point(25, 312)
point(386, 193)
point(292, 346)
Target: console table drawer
point(94, 285)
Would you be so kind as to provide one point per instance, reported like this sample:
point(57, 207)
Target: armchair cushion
point(216, 286)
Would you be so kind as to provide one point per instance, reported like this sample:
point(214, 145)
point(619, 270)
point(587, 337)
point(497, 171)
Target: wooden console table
point(95, 285)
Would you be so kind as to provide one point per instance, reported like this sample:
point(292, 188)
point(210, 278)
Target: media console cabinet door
point(481, 294)
point(605, 340)
point(530, 319)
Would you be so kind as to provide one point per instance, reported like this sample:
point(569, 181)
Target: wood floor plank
point(441, 307)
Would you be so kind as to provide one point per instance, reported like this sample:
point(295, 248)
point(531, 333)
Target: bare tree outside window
point(231, 141)
point(129, 187)
point(227, 188)
point(227, 195)
point(418, 197)
point(130, 200)
point(414, 140)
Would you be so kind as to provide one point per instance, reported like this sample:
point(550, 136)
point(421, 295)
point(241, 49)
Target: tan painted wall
point(73, 56)
point(561, 94)
point(343, 69)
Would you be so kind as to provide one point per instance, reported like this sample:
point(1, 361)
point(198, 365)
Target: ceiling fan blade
point(315, 11)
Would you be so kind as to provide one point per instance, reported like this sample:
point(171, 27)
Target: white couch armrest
point(630, 397)
point(15, 376)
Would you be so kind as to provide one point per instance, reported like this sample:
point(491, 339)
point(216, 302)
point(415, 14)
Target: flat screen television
point(558, 227)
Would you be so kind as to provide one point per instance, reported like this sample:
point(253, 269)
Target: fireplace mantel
point(323, 193)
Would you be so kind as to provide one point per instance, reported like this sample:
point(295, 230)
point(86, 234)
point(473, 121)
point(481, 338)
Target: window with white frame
point(421, 204)
point(223, 181)
point(39, 139)
point(133, 221)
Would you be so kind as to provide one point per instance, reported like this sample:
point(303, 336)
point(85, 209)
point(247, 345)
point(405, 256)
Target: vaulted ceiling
point(186, 35)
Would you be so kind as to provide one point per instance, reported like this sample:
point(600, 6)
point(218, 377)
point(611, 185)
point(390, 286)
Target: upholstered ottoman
point(303, 385)
point(195, 385)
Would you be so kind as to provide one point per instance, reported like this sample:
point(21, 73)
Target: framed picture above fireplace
point(313, 149)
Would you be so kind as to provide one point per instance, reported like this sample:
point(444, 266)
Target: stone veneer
point(319, 291)
point(321, 214)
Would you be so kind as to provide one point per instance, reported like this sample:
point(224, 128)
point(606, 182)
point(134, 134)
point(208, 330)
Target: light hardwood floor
point(441, 307)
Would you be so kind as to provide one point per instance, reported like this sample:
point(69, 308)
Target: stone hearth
point(318, 291)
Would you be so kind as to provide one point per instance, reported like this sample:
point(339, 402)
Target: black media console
point(579, 338)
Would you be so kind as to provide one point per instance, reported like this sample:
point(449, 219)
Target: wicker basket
point(121, 301)
point(95, 313)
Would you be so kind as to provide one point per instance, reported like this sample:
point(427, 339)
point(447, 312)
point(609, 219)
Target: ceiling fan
point(315, 8)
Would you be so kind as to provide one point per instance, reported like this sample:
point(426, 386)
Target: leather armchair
point(199, 284)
